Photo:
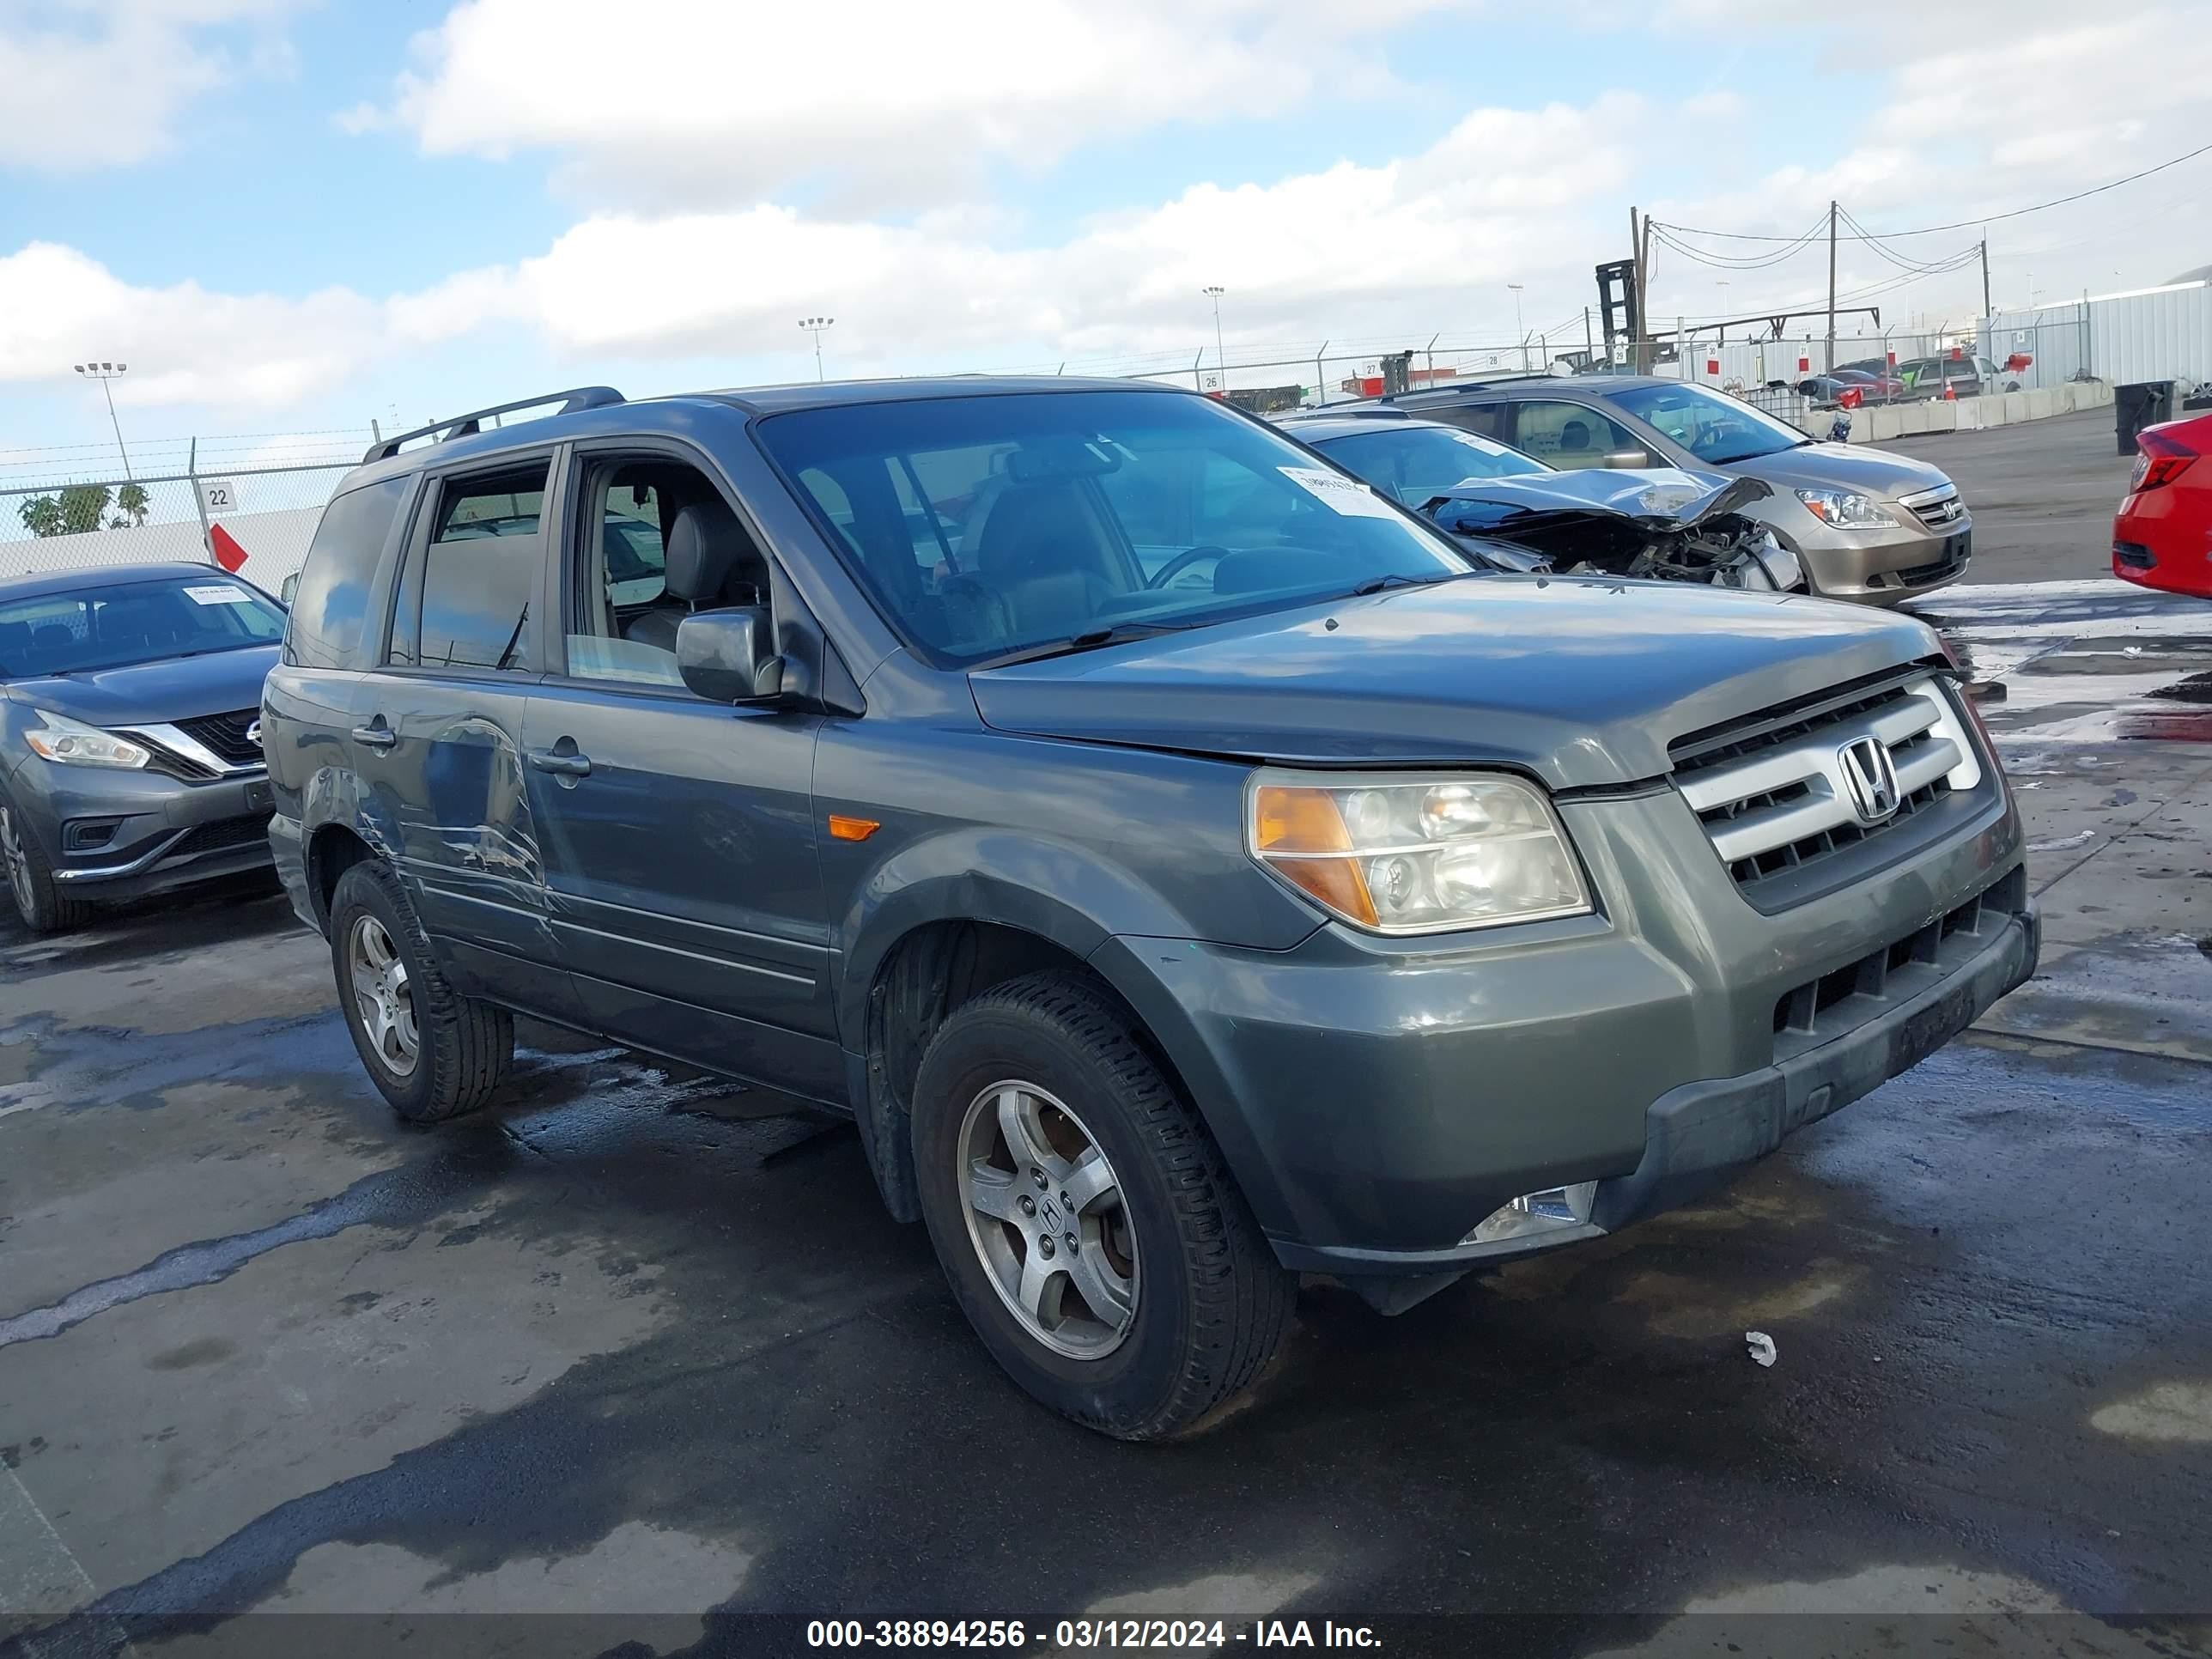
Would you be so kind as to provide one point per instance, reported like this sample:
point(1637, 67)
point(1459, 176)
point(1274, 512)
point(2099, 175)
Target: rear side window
point(1489, 421)
point(480, 572)
point(333, 598)
point(1572, 436)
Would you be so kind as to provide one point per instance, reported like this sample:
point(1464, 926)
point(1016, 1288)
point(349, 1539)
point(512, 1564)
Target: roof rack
point(463, 426)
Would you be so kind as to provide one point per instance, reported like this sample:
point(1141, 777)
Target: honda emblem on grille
point(1871, 777)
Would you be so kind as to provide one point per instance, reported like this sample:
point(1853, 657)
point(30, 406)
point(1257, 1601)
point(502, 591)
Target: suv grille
point(1774, 793)
point(1825, 1008)
point(225, 734)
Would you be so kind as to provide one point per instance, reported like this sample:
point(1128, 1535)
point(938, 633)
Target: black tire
point(38, 901)
point(1211, 1305)
point(463, 1045)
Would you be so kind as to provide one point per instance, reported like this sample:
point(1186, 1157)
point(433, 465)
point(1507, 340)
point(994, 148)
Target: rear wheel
point(31, 885)
point(1091, 1232)
point(433, 1053)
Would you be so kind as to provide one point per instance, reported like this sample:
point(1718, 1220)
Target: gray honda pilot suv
point(1187, 871)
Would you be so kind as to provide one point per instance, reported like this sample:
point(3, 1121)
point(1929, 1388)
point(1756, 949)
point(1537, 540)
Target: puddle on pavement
point(407, 1196)
point(1890, 1609)
point(2097, 664)
point(2169, 1412)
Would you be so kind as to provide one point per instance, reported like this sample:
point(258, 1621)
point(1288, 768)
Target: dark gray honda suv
point(1185, 868)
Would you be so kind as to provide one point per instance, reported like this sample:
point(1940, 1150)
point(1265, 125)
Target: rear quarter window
point(331, 601)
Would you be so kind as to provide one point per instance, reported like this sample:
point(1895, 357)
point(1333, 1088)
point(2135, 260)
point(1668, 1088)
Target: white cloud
point(1499, 196)
point(1505, 193)
point(183, 343)
point(665, 103)
point(1381, 254)
point(2031, 105)
point(98, 84)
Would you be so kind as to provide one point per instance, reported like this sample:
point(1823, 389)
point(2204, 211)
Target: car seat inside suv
point(711, 563)
point(1049, 554)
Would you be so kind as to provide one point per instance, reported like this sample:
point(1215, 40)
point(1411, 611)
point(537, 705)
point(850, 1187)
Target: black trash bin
point(2135, 407)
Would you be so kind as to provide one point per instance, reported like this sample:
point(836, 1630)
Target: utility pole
point(1986, 275)
point(1637, 245)
point(1831, 363)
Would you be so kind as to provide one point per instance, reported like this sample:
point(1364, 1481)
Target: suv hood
point(173, 689)
point(1582, 682)
point(1876, 473)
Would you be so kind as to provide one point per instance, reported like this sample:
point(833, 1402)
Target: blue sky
point(289, 215)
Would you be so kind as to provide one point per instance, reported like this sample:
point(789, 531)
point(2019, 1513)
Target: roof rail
point(463, 426)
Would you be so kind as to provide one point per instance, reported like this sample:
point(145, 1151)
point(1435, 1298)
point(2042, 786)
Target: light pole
point(1520, 327)
point(814, 325)
point(1213, 291)
point(104, 372)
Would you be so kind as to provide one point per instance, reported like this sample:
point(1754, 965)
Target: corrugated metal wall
point(2160, 334)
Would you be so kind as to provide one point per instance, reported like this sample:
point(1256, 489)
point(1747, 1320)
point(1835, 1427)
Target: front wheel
point(1091, 1232)
point(433, 1053)
point(38, 901)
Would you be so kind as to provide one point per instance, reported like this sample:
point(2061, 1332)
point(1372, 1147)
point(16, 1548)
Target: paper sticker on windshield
point(219, 593)
point(1346, 495)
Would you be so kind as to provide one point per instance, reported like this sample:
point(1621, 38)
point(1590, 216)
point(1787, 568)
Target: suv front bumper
point(1376, 1104)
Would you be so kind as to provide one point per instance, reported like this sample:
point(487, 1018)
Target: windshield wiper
point(1091, 639)
point(1376, 584)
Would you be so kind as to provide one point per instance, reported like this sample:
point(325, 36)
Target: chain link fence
point(252, 521)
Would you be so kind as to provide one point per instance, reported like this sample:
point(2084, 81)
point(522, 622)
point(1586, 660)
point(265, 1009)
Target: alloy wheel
point(1047, 1218)
point(383, 996)
point(18, 863)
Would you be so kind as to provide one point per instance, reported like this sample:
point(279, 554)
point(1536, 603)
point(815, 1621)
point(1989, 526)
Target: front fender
point(1059, 889)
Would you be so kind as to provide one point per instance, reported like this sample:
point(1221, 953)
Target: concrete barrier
point(1883, 421)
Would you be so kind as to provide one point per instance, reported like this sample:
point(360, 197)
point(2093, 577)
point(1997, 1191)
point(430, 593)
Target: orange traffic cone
point(1950, 392)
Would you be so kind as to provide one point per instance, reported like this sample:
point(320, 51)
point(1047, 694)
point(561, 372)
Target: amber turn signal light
point(1290, 822)
point(844, 828)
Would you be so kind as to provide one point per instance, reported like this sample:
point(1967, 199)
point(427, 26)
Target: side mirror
point(291, 587)
point(729, 655)
point(1628, 458)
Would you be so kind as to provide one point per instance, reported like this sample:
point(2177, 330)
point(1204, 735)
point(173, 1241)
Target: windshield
point(114, 625)
point(1712, 426)
point(985, 526)
point(1417, 464)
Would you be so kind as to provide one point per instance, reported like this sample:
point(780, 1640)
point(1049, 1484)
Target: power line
point(1743, 261)
point(1964, 224)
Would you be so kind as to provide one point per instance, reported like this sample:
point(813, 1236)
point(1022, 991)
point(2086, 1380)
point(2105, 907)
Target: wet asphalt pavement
point(637, 1345)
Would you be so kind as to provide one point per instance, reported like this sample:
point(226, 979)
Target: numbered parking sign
point(218, 495)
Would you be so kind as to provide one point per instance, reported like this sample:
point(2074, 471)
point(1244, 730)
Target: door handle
point(550, 760)
point(379, 736)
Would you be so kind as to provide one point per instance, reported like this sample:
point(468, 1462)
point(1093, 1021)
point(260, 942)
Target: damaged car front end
point(1661, 524)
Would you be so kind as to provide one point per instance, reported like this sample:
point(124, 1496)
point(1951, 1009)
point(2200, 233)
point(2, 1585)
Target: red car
point(2162, 537)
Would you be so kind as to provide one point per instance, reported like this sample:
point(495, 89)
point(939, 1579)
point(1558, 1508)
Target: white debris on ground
point(1761, 1345)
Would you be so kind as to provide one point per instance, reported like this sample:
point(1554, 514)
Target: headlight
point(1416, 854)
point(72, 743)
point(1846, 509)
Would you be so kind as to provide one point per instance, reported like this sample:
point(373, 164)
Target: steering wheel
point(1183, 562)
